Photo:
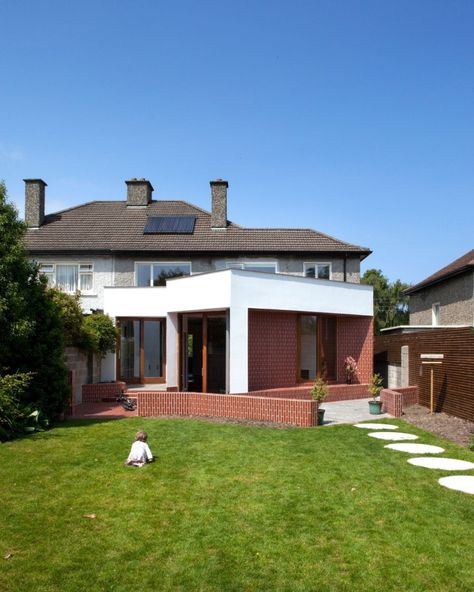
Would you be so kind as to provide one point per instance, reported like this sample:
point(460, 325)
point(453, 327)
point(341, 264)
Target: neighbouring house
point(435, 351)
point(203, 304)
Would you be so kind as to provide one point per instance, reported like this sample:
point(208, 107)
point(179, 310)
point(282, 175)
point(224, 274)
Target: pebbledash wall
point(273, 348)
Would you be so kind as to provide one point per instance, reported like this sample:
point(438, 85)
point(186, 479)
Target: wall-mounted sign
point(432, 356)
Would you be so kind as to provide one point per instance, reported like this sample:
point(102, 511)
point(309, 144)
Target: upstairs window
point(69, 277)
point(267, 267)
point(320, 271)
point(156, 273)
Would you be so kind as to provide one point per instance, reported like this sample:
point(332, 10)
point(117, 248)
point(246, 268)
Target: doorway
point(141, 350)
point(204, 352)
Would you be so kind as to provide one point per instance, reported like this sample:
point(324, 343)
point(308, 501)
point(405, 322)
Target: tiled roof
point(112, 226)
point(458, 266)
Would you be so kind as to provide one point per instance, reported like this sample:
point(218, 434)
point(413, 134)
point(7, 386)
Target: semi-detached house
point(203, 304)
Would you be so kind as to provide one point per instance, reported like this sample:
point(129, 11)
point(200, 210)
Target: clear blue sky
point(355, 118)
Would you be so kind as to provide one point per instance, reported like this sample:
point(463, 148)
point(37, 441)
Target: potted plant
point(350, 369)
point(319, 393)
point(375, 388)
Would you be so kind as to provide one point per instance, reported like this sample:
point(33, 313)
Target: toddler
point(140, 452)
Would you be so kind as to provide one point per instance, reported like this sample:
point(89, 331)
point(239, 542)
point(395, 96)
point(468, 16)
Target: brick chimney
point(219, 203)
point(34, 202)
point(139, 192)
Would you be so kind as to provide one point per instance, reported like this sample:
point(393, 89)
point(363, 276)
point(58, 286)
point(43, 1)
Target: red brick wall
point(272, 349)
point(336, 392)
point(92, 393)
point(355, 338)
point(296, 412)
point(395, 400)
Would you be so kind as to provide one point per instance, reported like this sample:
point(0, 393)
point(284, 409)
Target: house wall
point(453, 378)
point(455, 296)
point(103, 276)
point(273, 348)
point(125, 266)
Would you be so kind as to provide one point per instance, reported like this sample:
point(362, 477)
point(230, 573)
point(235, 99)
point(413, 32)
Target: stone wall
point(82, 371)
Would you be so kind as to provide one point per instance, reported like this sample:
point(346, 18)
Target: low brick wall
point(296, 412)
point(395, 400)
point(93, 393)
point(336, 392)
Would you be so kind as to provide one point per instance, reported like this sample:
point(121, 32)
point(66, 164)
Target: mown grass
point(228, 507)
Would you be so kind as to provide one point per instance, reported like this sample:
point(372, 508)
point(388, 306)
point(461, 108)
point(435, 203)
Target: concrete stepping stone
point(464, 483)
point(392, 436)
point(446, 464)
point(416, 448)
point(376, 426)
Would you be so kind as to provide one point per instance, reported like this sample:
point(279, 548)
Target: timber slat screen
point(453, 379)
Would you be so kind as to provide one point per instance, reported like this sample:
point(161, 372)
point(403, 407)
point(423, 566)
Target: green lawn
point(228, 507)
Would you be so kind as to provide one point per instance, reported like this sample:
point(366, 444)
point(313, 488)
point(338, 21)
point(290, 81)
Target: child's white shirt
point(140, 452)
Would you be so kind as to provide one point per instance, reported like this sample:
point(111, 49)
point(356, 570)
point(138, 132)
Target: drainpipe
point(345, 267)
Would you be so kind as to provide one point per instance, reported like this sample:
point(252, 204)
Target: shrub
point(12, 413)
point(375, 385)
point(320, 390)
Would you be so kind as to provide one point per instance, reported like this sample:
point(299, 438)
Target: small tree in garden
point(99, 334)
point(375, 385)
point(320, 390)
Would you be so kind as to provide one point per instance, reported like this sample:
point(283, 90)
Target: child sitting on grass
point(140, 452)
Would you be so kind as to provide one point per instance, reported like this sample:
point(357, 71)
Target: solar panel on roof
point(169, 225)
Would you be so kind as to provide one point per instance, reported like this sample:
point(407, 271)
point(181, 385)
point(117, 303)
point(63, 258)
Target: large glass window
point(156, 274)
point(320, 271)
point(308, 347)
point(69, 277)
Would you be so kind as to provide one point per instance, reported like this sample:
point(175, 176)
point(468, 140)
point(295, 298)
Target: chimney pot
point(139, 192)
point(219, 203)
point(34, 202)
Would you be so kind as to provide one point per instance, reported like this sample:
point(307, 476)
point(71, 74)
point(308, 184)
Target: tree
point(31, 329)
point(390, 304)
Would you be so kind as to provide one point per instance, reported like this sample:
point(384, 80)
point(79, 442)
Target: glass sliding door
point(317, 347)
point(141, 355)
point(216, 353)
point(129, 361)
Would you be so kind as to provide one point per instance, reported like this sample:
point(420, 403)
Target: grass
point(228, 507)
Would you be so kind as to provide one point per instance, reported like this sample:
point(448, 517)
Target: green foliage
point(471, 444)
point(390, 304)
point(71, 315)
point(375, 385)
point(320, 390)
point(30, 321)
point(100, 333)
point(12, 414)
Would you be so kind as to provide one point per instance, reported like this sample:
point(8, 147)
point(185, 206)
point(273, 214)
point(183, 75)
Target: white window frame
point(78, 264)
point(315, 264)
point(435, 313)
point(258, 263)
point(168, 263)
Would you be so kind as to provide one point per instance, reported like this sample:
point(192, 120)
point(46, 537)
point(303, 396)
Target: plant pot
point(348, 380)
point(375, 407)
point(321, 416)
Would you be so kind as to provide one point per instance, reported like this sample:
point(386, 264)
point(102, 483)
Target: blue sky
point(355, 118)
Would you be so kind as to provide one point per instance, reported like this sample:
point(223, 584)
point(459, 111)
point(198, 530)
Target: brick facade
point(273, 348)
point(395, 400)
point(336, 392)
point(302, 413)
point(102, 391)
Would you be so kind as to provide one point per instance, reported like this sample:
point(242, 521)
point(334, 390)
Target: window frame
point(257, 263)
point(315, 264)
point(78, 264)
point(151, 263)
point(435, 316)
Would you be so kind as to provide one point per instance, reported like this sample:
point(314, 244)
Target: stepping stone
point(392, 436)
point(416, 448)
point(376, 426)
point(447, 464)
point(464, 483)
